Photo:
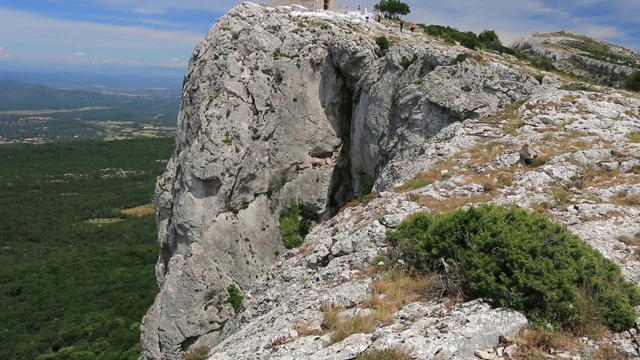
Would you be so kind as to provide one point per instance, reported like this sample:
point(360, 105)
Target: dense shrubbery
point(295, 224)
point(450, 35)
point(487, 39)
point(632, 82)
point(522, 261)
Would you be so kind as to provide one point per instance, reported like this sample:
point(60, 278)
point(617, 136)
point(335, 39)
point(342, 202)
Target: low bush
point(538, 61)
point(632, 82)
point(235, 299)
point(295, 224)
point(406, 62)
point(276, 183)
point(367, 181)
point(577, 85)
point(383, 43)
point(520, 260)
point(386, 354)
point(198, 353)
point(634, 136)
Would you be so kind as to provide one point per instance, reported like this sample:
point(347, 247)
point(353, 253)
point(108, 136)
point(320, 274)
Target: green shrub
point(579, 86)
point(470, 41)
point(367, 182)
point(383, 43)
point(632, 82)
point(467, 39)
point(460, 58)
point(295, 224)
point(448, 39)
point(279, 76)
point(406, 62)
point(235, 299)
point(538, 61)
point(198, 353)
point(519, 260)
point(276, 183)
point(489, 37)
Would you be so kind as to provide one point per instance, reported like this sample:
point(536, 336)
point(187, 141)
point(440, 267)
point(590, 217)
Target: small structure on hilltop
point(315, 5)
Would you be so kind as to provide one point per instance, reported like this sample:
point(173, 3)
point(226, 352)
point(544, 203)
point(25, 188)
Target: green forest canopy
point(70, 288)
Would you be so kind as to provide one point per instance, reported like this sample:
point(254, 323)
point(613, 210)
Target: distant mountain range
point(15, 95)
point(169, 83)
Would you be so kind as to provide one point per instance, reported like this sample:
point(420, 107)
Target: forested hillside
point(33, 113)
point(76, 273)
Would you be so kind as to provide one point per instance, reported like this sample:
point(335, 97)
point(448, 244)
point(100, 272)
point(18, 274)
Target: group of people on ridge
point(412, 27)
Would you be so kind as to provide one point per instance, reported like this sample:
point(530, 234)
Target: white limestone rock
point(281, 104)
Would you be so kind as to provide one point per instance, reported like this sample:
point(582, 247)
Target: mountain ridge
point(582, 56)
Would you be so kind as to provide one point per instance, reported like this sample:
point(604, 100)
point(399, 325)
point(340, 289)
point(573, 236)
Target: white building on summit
point(314, 5)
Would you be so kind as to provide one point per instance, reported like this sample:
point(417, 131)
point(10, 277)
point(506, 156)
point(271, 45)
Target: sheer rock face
point(280, 105)
point(583, 56)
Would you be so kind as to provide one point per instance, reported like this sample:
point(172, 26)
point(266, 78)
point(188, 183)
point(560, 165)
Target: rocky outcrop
point(582, 56)
point(281, 105)
point(578, 152)
point(283, 316)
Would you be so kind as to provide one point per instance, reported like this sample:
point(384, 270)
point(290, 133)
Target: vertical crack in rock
point(339, 112)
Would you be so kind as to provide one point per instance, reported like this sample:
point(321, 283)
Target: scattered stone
point(527, 153)
point(485, 355)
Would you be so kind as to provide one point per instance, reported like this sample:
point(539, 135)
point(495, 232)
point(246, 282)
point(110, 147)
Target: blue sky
point(133, 34)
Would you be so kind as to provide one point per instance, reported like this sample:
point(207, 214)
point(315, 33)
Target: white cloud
point(217, 6)
point(149, 11)
point(175, 59)
point(79, 54)
point(33, 35)
point(1, 48)
point(601, 32)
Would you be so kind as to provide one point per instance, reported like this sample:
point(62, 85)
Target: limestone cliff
point(280, 105)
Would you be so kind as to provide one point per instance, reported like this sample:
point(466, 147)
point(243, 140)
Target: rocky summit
point(284, 106)
point(582, 56)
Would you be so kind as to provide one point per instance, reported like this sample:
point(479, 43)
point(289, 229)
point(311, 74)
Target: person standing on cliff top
point(401, 25)
point(412, 27)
